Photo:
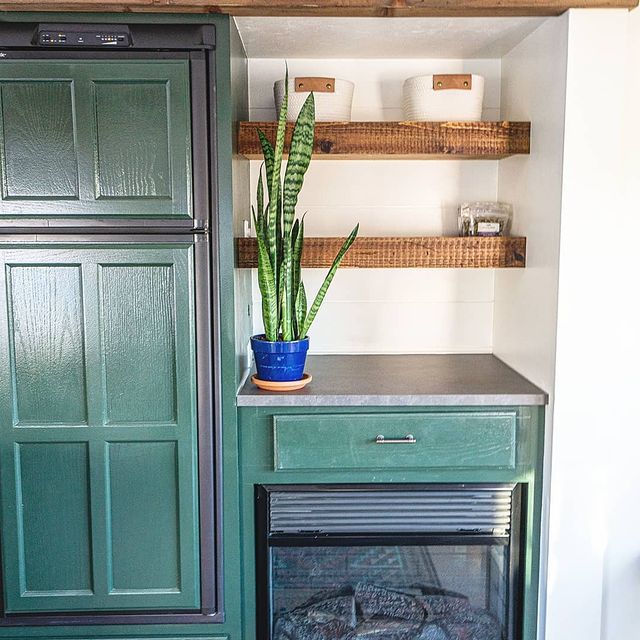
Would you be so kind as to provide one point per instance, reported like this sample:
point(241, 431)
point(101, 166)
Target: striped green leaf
point(301, 310)
point(267, 152)
point(298, 163)
point(327, 281)
point(274, 184)
point(267, 284)
point(260, 221)
point(297, 241)
point(299, 158)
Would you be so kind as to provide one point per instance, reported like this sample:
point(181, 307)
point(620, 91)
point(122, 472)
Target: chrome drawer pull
point(408, 439)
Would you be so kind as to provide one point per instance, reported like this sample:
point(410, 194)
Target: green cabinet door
point(98, 457)
point(97, 138)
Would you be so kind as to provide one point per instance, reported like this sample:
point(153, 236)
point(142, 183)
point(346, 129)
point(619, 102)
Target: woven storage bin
point(443, 97)
point(332, 97)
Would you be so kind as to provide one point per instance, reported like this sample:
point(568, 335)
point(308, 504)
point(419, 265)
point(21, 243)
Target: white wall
point(384, 310)
point(584, 161)
point(594, 355)
point(525, 313)
point(621, 584)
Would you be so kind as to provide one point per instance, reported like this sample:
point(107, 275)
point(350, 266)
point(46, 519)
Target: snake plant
point(280, 233)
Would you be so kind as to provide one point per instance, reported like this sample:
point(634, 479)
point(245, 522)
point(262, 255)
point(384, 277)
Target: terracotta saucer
point(274, 385)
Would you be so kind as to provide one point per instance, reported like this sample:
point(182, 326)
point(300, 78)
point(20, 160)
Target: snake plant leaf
point(260, 193)
point(267, 284)
point(298, 163)
point(287, 307)
point(267, 152)
point(260, 220)
point(327, 281)
point(274, 184)
point(281, 294)
point(301, 310)
point(255, 219)
point(295, 274)
point(297, 240)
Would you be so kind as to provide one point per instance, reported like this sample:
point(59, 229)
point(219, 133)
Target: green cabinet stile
point(98, 430)
point(99, 138)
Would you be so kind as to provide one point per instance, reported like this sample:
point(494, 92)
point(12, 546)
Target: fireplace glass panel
point(390, 592)
point(389, 562)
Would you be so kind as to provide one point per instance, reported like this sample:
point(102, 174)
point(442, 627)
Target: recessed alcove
point(413, 310)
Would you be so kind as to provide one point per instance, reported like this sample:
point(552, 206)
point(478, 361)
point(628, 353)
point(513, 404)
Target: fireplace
point(389, 562)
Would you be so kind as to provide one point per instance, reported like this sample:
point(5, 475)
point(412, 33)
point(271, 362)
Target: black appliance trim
point(150, 37)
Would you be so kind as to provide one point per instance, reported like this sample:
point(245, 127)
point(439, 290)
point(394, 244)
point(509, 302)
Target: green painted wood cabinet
point(98, 432)
point(336, 445)
point(98, 138)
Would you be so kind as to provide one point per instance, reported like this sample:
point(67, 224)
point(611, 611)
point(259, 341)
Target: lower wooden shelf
point(397, 253)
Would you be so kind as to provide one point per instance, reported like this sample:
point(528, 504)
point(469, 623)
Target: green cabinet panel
point(143, 517)
point(47, 354)
point(132, 129)
point(39, 140)
point(55, 555)
point(138, 338)
point(95, 138)
point(442, 440)
point(98, 428)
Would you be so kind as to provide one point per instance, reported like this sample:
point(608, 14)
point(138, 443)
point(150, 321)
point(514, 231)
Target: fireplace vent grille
point(485, 510)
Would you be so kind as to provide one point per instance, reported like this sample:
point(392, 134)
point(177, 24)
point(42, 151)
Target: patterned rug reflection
point(370, 612)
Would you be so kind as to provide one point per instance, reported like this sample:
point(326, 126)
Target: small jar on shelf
point(484, 219)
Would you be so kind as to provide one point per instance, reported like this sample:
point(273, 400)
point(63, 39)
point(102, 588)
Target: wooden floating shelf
point(400, 140)
point(376, 8)
point(396, 253)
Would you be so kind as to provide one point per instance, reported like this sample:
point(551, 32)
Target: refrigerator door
point(106, 445)
point(115, 141)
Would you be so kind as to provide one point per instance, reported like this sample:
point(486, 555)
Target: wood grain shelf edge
point(489, 140)
point(403, 252)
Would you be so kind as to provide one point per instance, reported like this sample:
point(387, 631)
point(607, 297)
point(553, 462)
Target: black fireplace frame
point(264, 540)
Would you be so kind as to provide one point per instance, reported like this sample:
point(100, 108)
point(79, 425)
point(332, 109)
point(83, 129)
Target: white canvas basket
point(332, 97)
point(443, 97)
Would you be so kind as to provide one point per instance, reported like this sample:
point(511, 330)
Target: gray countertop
point(397, 380)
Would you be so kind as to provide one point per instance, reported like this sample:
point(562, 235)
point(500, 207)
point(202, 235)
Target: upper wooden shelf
point(401, 140)
point(346, 8)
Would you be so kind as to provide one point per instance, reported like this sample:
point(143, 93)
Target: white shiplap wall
point(387, 311)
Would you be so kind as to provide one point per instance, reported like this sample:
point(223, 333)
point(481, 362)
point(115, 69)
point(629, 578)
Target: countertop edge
point(457, 400)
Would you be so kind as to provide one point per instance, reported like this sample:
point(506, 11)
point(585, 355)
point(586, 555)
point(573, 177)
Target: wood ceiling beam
point(346, 8)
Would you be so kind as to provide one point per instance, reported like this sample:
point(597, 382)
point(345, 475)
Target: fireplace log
point(381, 602)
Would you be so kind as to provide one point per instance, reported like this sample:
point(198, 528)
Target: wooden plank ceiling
point(379, 8)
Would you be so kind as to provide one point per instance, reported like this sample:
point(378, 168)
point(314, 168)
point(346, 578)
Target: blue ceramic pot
point(279, 361)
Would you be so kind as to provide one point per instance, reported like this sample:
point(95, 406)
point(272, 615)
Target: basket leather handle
point(317, 84)
point(452, 81)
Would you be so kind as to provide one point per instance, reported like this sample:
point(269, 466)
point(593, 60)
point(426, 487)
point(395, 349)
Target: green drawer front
point(463, 440)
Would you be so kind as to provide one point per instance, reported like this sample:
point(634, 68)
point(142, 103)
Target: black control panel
point(83, 35)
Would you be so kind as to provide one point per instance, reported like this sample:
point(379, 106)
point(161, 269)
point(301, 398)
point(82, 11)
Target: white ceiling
point(281, 37)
